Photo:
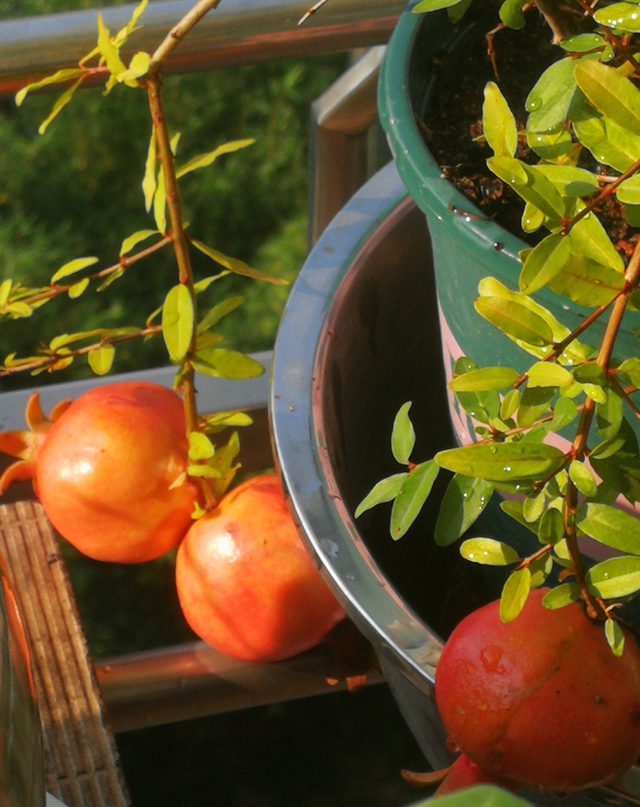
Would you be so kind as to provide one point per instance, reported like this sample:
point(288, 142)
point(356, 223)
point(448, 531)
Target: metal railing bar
point(237, 32)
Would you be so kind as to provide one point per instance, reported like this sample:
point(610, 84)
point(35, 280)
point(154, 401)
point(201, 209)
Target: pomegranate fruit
point(104, 469)
point(245, 582)
point(541, 700)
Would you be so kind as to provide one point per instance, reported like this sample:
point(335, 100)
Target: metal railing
point(193, 680)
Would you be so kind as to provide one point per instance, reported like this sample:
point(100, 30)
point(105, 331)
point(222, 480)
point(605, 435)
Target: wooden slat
point(82, 767)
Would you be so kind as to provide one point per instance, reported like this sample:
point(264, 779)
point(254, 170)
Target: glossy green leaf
point(200, 447)
point(609, 416)
point(629, 190)
point(383, 491)
point(610, 143)
point(71, 267)
point(403, 436)
point(488, 552)
point(134, 239)
point(610, 526)
point(484, 379)
point(621, 472)
point(607, 448)
point(498, 123)
point(514, 594)
point(178, 322)
point(464, 500)
point(535, 402)
point(551, 527)
point(614, 578)
point(548, 374)
point(511, 13)
point(595, 392)
point(218, 311)
point(590, 373)
point(589, 238)
point(550, 99)
point(214, 361)
point(561, 595)
point(510, 403)
point(532, 218)
point(569, 180)
point(631, 367)
point(611, 93)
point(515, 320)
point(56, 78)
point(623, 16)
point(101, 360)
point(564, 412)
point(533, 506)
point(544, 261)
point(502, 461)
point(203, 160)
point(513, 508)
point(411, 498)
point(540, 569)
point(551, 145)
point(586, 282)
point(236, 266)
point(530, 184)
point(614, 636)
point(582, 478)
point(579, 43)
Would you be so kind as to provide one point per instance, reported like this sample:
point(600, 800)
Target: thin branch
point(179, 31)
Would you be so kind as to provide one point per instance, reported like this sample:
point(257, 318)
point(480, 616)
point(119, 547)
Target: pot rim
point(325, 525)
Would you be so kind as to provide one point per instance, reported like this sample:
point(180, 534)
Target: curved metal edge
point(325, 526)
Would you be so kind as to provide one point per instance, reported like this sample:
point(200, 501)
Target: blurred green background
point(75, 191)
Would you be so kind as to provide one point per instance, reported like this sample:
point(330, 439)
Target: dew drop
point(533, 102)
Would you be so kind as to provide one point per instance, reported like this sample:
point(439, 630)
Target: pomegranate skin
point(245, 582)
point(104, 472)
point(541, 700)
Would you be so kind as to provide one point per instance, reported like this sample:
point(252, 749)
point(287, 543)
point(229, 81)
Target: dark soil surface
point(454, 121)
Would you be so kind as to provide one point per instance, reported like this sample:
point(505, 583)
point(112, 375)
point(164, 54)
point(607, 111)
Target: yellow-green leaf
point(101, 360)
point(485, 378)
point(623, 16)
point(108, 50)
point(61, 75)
point(226, 363)
point(615, 636)
point(138, 67)
point(561, 595)
point(412, 496)
point(234, 265)
point(587, 282)
point(204, 160)
point(403, 436)
point(464, 500)
point(615, 578)
point(488, 552)
point(71, 267)
point(610, 526)
point(160, 203)
point(610, 92)
point(135, 238)
point(544, 262)
point(502, 462)
point(515, 320)
point(149, 181)
point(60, 103)
point(204, 470)
point(383, 491)
point(121, 37)
point(218, 311)
point(498, 123)
point(582, 478)
point(77, 288)
point(218, 421)
point(177, 322)
point(548, 374)
point(514, 594)
point(200, 447)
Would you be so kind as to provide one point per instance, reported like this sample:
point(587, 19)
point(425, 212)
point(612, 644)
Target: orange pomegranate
point(245, 582)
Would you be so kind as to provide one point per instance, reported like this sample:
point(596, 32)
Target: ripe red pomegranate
point(103, 468)
point(541, 700)
point(246, 583)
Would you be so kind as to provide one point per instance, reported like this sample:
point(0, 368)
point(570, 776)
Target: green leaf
point(515, 320)
point(621, 472)
point(510, 403)
point(204, 470)
point(160, 203)
point(551, 145)
point(412, 496)
point(629, 191)
point(609, 142)
point(590, 373)
point(579, 43)
point(631, 367)
point(71, 267)
point(533, 506)
point(607, 448)
point(77, 288)
point(614, 578)
point(561, 595)
point(609, 416)
point(551, 97)
point(587, 282)
point(488, 552)
point(548, 374)
point(610, 92)
point(101, 360)
point(485, 378)
point(226, 363)
point(478, 796)
point(218, 421)
point(514, 594)
point(589, 238)
point(149, 183)
point(433, 5)
point(614, 636)
point(218, 311)
point(122, 35)
point(531, 184)
point(59, 105)
point(610, 526)
point(511, 13)
point(58, 77)
point(200, 447)
point(540, 569)
point(498, 123)
point(569, 180)
point(551, 527)
point(623, 16)
point(564, 412)
point(108, 50)
point(237, 266)
point(544, 262)
point(134, 239)
point(513, 508)
point(138, 67)
point(498, 462)
point(403, 436)
point(177, 322)
point(203, 160)
point(464, 500)
point(383, 491)
point(535, 402)
point(582, 478)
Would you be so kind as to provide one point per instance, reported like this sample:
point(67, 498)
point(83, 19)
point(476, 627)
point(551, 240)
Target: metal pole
point(238, 32)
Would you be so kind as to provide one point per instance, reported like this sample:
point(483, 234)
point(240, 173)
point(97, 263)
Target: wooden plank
point(82, 768)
